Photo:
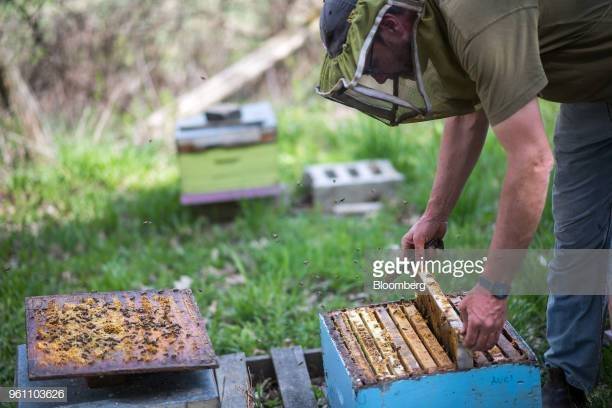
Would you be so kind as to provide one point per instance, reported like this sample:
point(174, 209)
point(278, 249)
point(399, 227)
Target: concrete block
point(354, 182)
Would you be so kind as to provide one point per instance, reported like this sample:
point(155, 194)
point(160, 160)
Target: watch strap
point(497, 289)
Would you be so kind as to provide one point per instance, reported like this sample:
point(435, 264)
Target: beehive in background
point(228, 153)
point(387, 355)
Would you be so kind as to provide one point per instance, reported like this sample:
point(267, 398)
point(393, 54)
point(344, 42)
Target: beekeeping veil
point(348, 30)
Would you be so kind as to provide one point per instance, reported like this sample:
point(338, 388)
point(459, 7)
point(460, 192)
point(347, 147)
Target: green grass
point(107, 217)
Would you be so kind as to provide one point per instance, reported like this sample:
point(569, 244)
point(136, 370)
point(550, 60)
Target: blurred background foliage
point(104, 65)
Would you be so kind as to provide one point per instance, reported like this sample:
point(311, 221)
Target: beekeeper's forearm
point(521, 202)
point(523, 195)
point(529, 163)
point(462, 143)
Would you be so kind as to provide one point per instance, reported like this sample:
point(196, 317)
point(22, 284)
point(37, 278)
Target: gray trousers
point(582, 211)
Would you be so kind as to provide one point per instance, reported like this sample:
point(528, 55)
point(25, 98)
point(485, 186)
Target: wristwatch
point(499, 290)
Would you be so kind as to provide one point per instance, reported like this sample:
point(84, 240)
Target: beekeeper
point(481, 63)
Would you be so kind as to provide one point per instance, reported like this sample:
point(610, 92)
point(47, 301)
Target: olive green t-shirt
point(515, 50)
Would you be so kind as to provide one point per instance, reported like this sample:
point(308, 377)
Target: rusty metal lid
point(93, 334)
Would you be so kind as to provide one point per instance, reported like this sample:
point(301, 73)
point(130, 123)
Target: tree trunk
point(22, 103)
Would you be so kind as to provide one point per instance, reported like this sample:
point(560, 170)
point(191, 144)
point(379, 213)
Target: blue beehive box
point(386, 355)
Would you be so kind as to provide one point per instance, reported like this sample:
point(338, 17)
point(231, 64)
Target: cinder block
point(355, 182)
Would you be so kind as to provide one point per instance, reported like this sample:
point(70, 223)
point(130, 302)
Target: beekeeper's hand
point(483, 318)
point(426, 229)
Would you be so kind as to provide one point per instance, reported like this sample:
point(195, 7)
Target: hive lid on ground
point(249, 123)
point(126, 332)
point(390, 341)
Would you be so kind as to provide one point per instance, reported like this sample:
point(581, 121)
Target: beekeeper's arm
point(462, 143)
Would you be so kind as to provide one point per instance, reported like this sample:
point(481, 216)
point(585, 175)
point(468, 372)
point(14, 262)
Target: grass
point(107, 217)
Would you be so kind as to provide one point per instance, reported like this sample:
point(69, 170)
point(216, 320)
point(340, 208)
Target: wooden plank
point(233, 381)
point(412, 338)
point(354, 350)
point(403, 351)
point(383, 342)
point(429, 340)
point(260, 367)
point(292, 377)
point(367, 343)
